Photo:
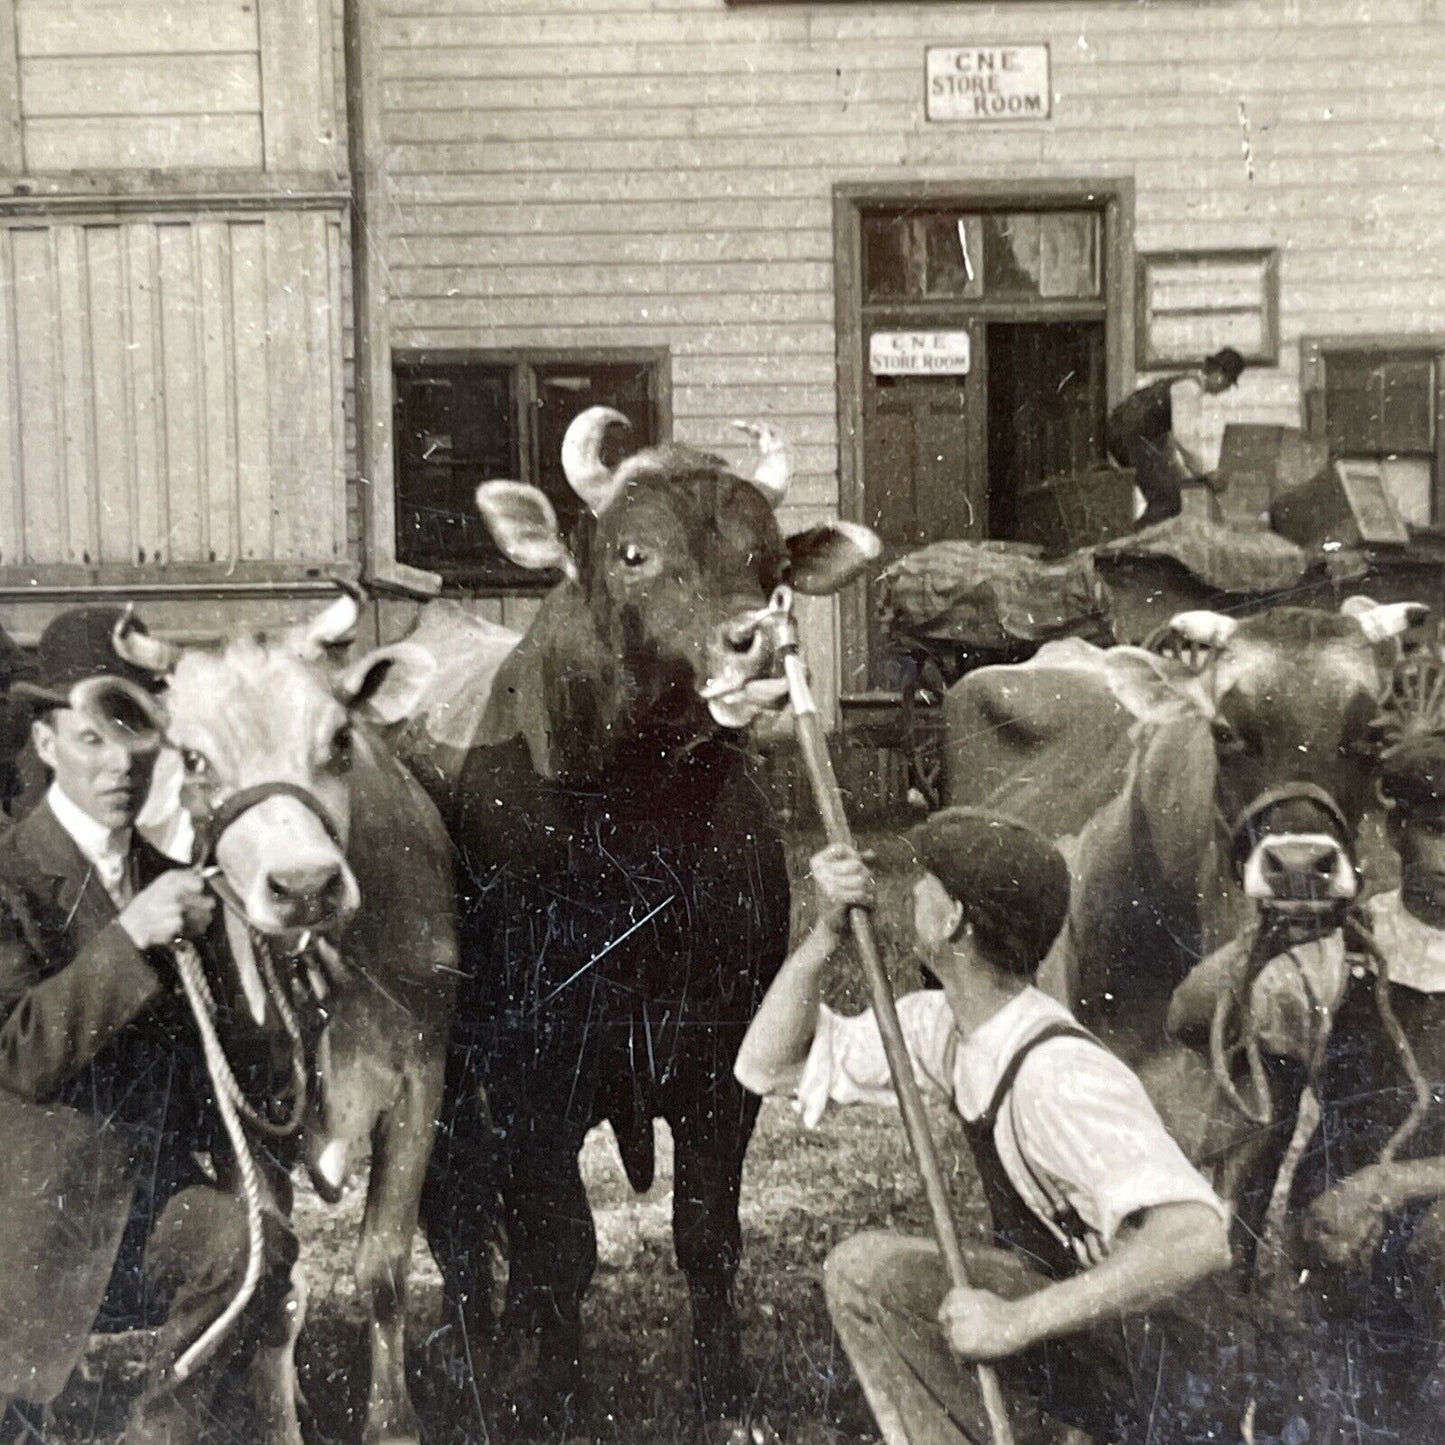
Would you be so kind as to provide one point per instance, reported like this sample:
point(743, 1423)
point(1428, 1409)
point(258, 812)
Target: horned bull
point(623, 885)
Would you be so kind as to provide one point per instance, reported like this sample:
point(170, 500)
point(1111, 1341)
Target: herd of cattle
point(570, 913)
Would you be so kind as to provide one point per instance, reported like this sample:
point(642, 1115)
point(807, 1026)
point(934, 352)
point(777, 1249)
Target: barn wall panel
point(181, 399)
point(105, 86)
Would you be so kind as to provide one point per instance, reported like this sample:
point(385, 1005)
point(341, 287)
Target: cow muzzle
point(741, 659)
point(1291, 849)
point(282, 854)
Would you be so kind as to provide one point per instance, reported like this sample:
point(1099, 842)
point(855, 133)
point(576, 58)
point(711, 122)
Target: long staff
point(915, 1122)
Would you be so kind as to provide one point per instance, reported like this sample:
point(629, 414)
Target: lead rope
point(228, 1097)
point(1364, 940)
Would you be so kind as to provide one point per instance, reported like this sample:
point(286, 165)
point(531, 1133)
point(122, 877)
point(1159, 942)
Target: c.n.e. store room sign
point(987, 82)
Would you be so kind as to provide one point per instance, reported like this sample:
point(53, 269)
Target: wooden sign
point(918, 353)
point(987, 82)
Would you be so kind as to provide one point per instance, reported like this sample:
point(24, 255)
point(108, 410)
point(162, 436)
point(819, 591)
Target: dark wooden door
point(925, 471)
point(925, 477)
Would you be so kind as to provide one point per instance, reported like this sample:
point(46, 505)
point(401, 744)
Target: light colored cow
point(324, 843)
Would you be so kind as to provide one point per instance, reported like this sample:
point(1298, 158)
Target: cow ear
point(1153, 689)
point(386, 685)
point(524, 526)
point(828, 557)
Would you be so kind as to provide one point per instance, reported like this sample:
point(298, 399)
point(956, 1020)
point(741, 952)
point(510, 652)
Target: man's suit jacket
point(86, 1018)
point(102, 1088)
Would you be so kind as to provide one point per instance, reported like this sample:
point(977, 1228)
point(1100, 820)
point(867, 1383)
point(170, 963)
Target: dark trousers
point(194, 1260)
point(1159, 479)
point(1166, 1377)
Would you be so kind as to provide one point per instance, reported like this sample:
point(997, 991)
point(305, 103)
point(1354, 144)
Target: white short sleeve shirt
point(1077, 1132)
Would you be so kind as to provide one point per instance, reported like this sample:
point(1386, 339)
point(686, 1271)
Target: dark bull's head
point(264, 738)
point(1291, 698)
point(677, 566)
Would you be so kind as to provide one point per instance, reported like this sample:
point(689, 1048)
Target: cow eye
point(340, 759)
point(632, 555)
point(195, 764)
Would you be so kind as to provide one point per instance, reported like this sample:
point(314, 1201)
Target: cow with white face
point(333, 867)
point(1254, 763)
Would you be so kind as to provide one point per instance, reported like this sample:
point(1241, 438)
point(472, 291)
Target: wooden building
point(173, 291)
point(929, 242)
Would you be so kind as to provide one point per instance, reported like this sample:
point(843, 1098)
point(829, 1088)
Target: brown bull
point(623, 886)
point(328, 849)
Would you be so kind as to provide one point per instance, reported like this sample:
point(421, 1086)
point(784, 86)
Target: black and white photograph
point(722, 722)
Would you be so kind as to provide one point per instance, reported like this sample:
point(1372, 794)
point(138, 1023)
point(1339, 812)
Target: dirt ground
point(803, 1192)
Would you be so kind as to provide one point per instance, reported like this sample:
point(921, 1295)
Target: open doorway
point(1047, 399)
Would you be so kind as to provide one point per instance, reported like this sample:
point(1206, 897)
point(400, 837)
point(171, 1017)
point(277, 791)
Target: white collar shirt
point(1414, 951)
point(107, 850)
point(1078, 1137)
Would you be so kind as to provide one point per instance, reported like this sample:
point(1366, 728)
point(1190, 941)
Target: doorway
point(981, 333)
point(1046, 409)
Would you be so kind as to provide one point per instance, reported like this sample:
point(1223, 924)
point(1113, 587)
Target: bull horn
point(775, 465)
point(335, 625)
point(1381, 621)
point(582, 462)
point(1208, 629)
point(133, 644)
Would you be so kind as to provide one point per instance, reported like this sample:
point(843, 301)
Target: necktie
point(113, 868)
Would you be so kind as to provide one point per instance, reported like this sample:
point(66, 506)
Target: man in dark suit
point(92, 1017)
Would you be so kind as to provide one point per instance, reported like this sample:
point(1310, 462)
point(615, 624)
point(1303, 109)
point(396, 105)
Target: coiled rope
point(230, 1101)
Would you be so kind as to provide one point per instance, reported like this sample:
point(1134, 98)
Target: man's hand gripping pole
point(811, 739)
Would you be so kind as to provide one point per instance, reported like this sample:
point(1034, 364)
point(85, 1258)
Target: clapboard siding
point(618, 173)
point(211, 85)
point(106, 86)
point(175, 391)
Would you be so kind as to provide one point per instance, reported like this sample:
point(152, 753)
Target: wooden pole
point(814, 745)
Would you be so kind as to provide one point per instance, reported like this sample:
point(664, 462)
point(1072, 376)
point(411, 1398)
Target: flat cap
point(1228, 361)
point(1012, 882)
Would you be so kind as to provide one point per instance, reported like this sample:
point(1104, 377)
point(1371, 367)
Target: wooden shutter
point(171, 391)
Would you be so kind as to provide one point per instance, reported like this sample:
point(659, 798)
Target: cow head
point(1290, 699)
point(265, 737)
point(675, 567)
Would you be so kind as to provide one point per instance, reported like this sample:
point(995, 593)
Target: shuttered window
point(1381, 399)
point(172, 281)
point(465, 419)
point(171, 393)
point(1192, 303)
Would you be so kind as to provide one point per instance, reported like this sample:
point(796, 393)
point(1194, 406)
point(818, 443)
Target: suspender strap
point(1060, 1029)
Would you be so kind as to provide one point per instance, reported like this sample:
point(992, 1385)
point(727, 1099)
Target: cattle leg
point(460, 1200)
point(273, 1372)
point(710, 1138)
point(401, 1146)
point(553, 1253)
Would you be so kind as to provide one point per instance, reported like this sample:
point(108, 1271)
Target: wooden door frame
point(850, 200)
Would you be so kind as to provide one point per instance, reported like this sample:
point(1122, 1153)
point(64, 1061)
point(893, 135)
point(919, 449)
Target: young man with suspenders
point(1101, 1225)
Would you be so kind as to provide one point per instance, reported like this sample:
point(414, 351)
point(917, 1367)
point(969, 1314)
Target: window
point(463, 420)
point(929, 255)
point(1380, 399)
point(1191, 303)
